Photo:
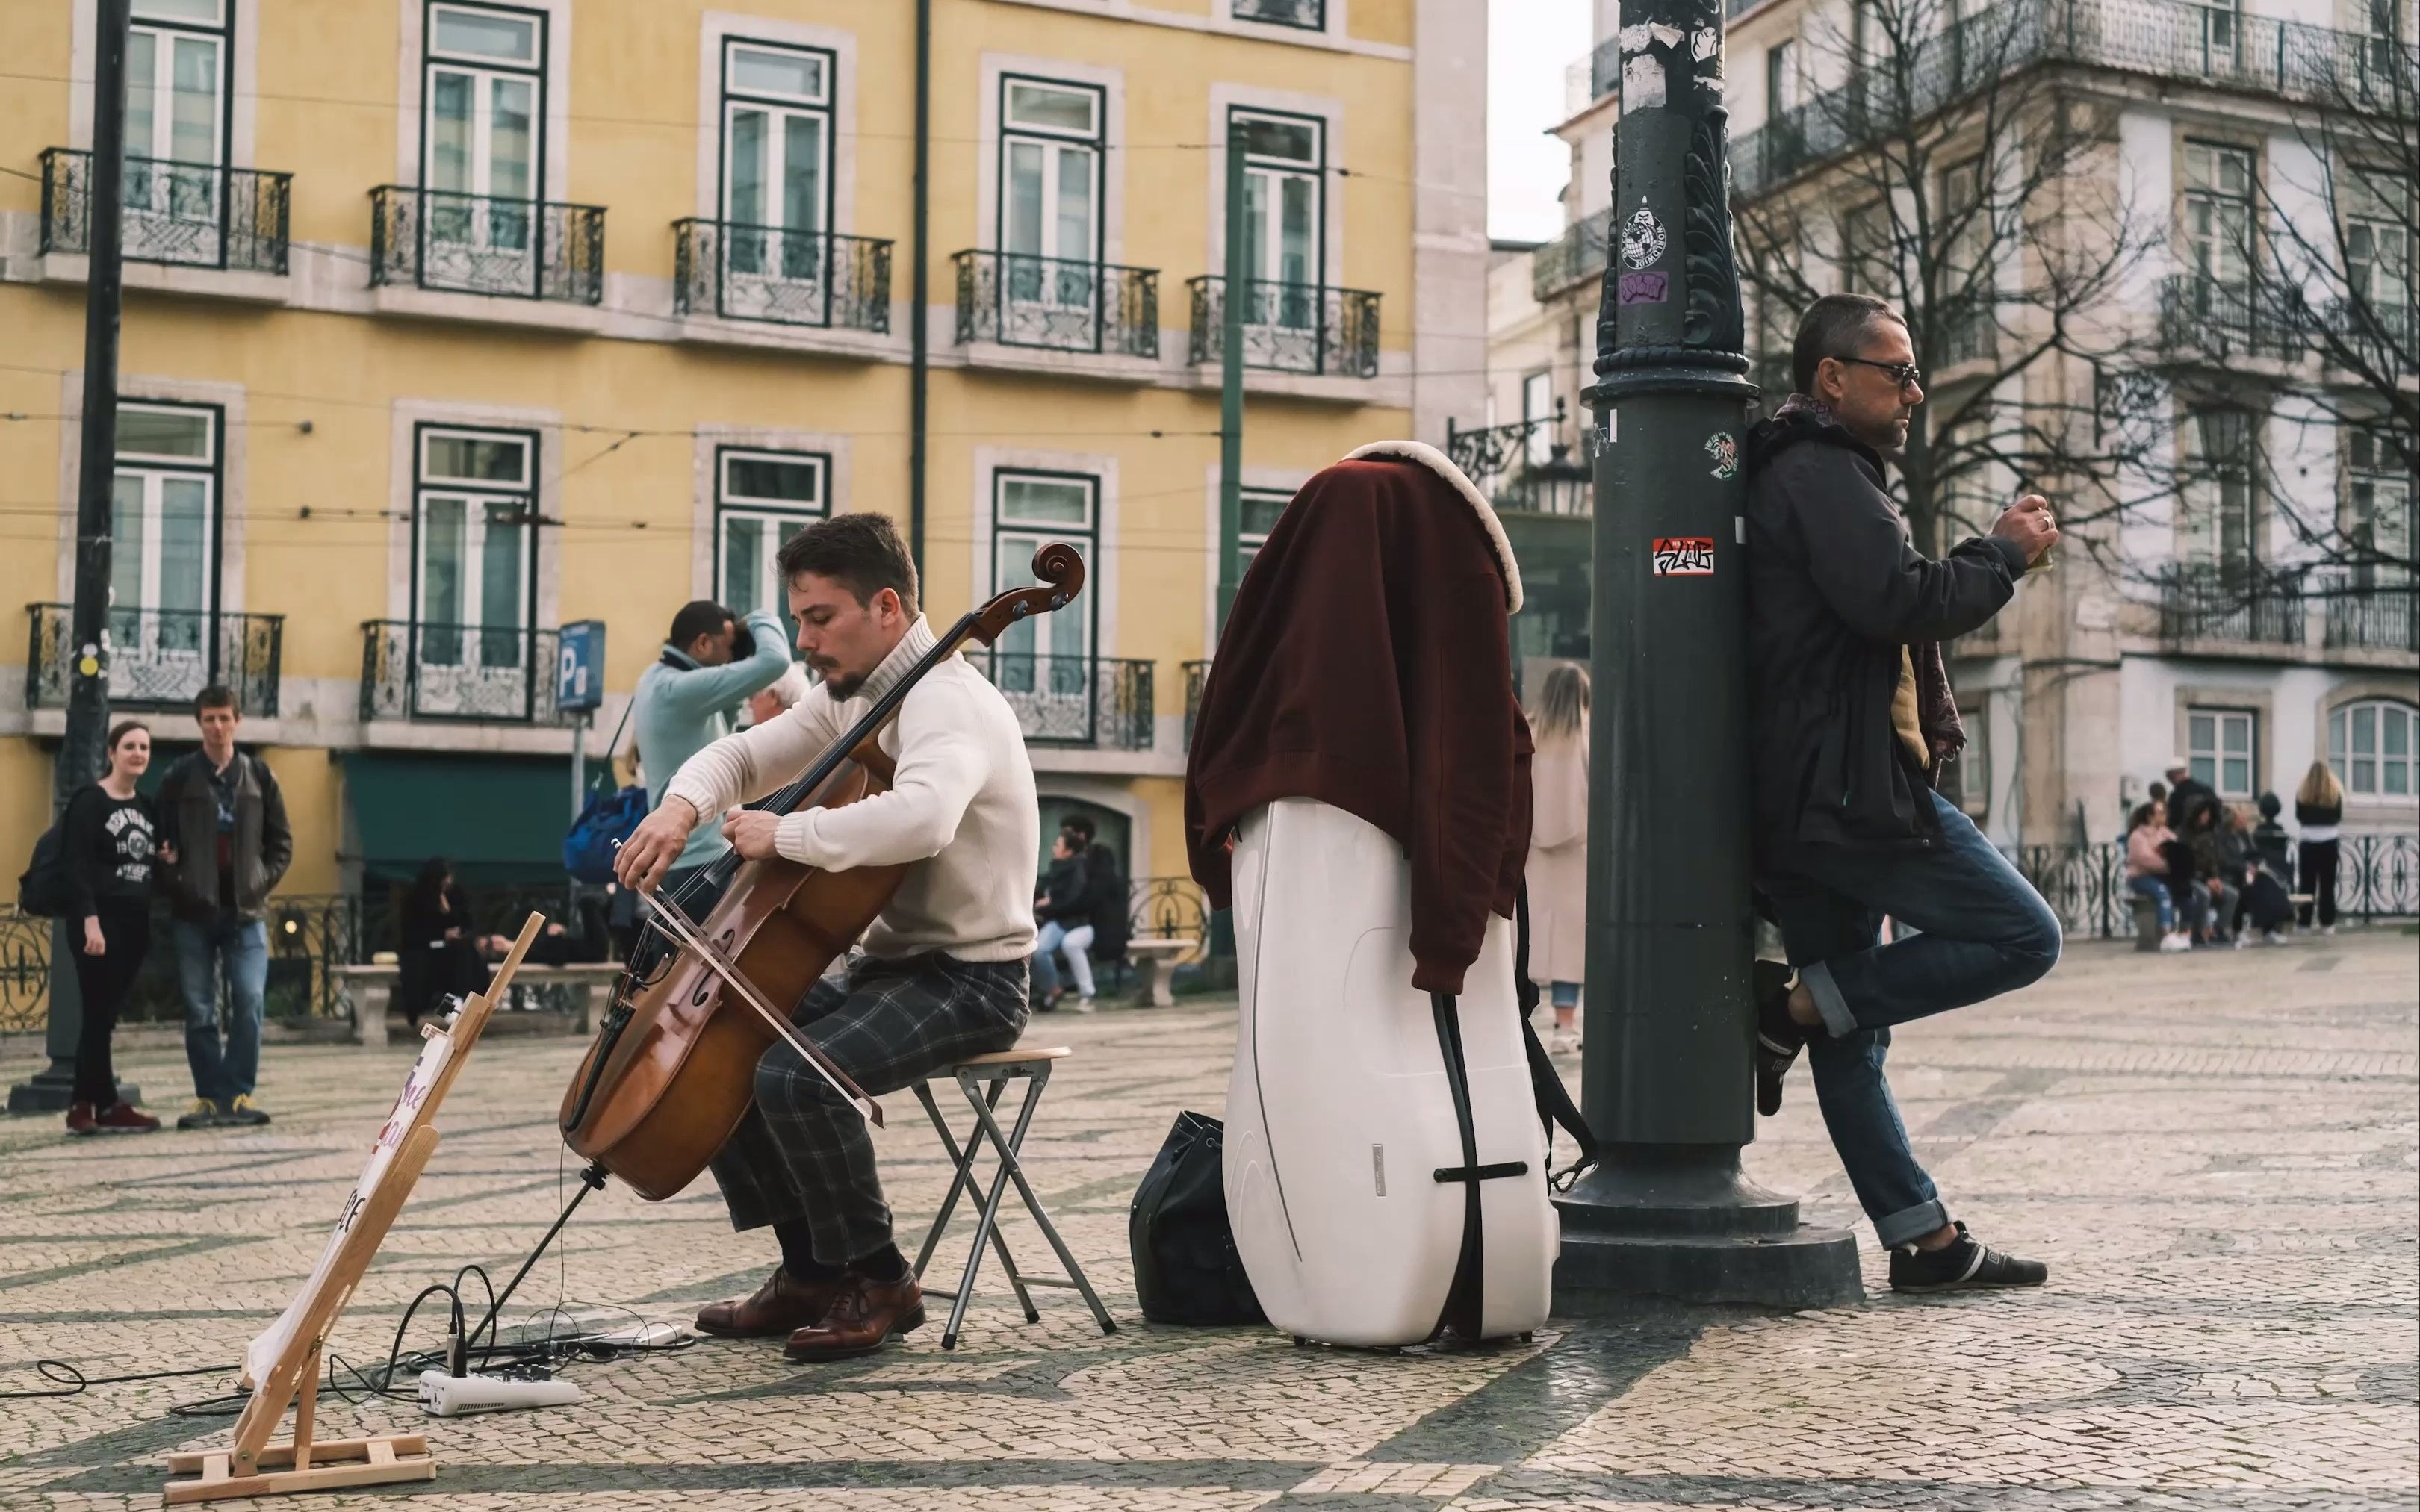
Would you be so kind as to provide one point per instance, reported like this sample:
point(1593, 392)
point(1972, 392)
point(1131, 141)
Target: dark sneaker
point(203, 1114)
point(1963, 1262)
point(80, 1119)
point(124, 1118)
point(1778, 1037)
point(244, 1110)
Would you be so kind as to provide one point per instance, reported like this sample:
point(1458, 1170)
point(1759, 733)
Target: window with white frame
point(1285, 212)
point(1052, 138)
point(2370, 748)
point(1966, 779)
point(473, 547)
point(1538, 415)
point(2378, 523)
point(762, 498)
point(777, 144)
point(163, 509)
point(2377, 208)
point(1782, 84)
point(1303, 15)
point(2217, 213)
point(1048, 654)
point(483, 114)
point(2219, 746)
point(176, 100)
point(2219, 510)
point(1256, 518)
point(1866, 251)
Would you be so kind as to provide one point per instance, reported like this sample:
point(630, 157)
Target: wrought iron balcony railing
point(159, 658)
point(529, 249)
point(1575, 257)
point(494, 674)
point(1197, 675)
point(2377, 618)
point(2244, 604)
point(193, 214)
point(1103, 703)
point(788, 278)
point(1310, 15)
point(2175, 39)
point(1021, 300)
point(1560, 486)
point(2225, 321)
point(1290, 327)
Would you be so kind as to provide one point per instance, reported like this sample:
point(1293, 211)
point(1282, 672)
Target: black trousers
point(2316, 873)
point(103, 982)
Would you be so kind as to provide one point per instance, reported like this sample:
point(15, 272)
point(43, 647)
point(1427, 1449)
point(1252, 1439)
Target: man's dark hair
point(861, 553)
point(1834, 326)
point(216, 696)
point(1079, 827)
point(699, 616)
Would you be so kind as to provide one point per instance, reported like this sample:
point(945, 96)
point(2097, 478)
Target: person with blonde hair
point(1557, 866)
point(2318, 808)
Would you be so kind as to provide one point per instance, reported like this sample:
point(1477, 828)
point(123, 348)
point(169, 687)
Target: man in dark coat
point(1852, 718)
point(2186, 793)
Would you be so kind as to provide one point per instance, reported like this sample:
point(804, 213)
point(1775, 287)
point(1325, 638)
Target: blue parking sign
point(579, 667)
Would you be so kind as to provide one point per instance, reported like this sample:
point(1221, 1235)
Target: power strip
point(448, 1396)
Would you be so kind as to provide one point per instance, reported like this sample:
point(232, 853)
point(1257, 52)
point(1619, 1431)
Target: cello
point(673, 1069)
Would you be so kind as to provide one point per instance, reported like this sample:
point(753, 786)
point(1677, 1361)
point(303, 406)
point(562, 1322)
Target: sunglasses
point(1906, 375)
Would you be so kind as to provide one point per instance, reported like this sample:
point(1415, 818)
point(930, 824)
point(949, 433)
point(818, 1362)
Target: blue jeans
point(2156, 888)
point(1983, 931)
point(240, 953)
point(1054, 938)
point(1566, 993)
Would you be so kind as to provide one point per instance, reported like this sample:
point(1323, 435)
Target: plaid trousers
point(802, 1151)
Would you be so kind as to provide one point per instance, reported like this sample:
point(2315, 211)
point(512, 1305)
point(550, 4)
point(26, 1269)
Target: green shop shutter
point(499, 819)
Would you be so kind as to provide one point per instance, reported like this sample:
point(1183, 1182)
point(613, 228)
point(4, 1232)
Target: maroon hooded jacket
point(1367, 665)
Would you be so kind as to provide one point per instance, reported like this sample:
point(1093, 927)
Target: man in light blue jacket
point(687, 702)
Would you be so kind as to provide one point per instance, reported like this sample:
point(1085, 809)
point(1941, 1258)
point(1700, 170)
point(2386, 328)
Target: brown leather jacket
point(260, 848)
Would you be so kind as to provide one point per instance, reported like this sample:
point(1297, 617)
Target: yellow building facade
point(448, 324)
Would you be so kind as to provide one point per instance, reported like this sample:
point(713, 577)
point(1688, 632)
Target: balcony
point(1303, 15)
point(190, 214)
point(1094, 702)
point(2217, 46)
point(2240, 606)
point(2374, 619)
point(1588, 80)
point(1559, 486)
point(2225, 323)
point(1197, 675)
point(1014, 300)
point(1578, 256)
point(493, 674)
point(1290, 327)
point(733, 272)
point(442, 242)
point(159, 658)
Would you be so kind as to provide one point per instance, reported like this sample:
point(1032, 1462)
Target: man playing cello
point(942, 974)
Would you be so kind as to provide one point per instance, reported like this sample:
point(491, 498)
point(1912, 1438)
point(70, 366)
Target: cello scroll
point(1061, 571)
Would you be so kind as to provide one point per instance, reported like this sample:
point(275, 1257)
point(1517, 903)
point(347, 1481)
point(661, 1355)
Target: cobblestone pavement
point(2215, 1153)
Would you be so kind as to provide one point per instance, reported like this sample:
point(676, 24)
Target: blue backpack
point(605, 822)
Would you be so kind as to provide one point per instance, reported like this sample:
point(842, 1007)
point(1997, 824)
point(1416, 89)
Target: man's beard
point(843, 689)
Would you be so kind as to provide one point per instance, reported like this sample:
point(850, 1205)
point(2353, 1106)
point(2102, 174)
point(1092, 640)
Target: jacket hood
point(1800, 418)
point(1423, 456)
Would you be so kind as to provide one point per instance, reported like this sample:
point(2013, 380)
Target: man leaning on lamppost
point(1851, 719)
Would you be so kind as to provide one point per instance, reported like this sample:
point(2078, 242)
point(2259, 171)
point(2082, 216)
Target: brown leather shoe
point(863, 1317)
point(781, 1305)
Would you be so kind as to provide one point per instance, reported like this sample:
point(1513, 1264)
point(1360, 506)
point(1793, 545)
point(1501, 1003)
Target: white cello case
point(1339, 1111)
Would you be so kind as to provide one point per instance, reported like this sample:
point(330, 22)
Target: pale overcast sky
point(1530, 43)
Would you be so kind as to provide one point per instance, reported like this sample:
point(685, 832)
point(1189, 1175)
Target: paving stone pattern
point(2215, 1153)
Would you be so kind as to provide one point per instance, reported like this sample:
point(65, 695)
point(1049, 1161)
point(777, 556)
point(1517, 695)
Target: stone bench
point(1155, 959)
point(372, 989)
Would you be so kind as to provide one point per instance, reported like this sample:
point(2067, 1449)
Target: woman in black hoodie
point(2318, 808)
point(108, 851)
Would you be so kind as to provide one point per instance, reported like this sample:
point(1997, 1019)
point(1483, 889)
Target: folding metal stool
point(983, 1079)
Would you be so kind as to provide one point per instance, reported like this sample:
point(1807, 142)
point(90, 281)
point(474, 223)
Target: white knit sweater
point(962, 805)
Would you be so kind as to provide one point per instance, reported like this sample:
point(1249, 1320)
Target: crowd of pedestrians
point(2224, 875)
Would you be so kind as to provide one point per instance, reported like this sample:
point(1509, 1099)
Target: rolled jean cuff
point(1910, 1224)
point(1829, 1002)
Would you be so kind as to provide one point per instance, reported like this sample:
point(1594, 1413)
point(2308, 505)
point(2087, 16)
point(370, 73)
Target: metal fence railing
point(2247, 605)
point(1290, 327)
point(497, 673)
point(2378, 877)
point(159, 658)
point(1017, 300)
point(1103, 703)
point(781, 277)
point(435, 238)
point(194, 214)
point(1574, 257)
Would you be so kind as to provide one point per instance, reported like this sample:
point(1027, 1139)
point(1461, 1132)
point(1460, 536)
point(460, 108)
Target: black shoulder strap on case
point(1555, 1105)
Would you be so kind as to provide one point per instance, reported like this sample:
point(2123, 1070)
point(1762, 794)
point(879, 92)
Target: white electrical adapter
point(445, 1396)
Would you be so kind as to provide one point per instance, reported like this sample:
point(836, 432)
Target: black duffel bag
point(1186, 1267)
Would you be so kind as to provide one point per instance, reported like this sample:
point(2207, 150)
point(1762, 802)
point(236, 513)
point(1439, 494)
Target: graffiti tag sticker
point(1642, 239)
point(1644, 288)
point(1685, 556)
point(1723, 448)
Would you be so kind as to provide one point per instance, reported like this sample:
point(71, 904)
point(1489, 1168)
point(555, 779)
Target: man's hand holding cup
point(2030, 523)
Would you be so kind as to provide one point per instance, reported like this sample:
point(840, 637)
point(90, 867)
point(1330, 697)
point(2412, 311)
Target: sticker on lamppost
point(1642, 239)
point(1724, 449)
point(1685, 556)
point(1643, 288)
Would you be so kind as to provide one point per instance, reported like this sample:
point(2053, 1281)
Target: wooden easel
point(253, 1466)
